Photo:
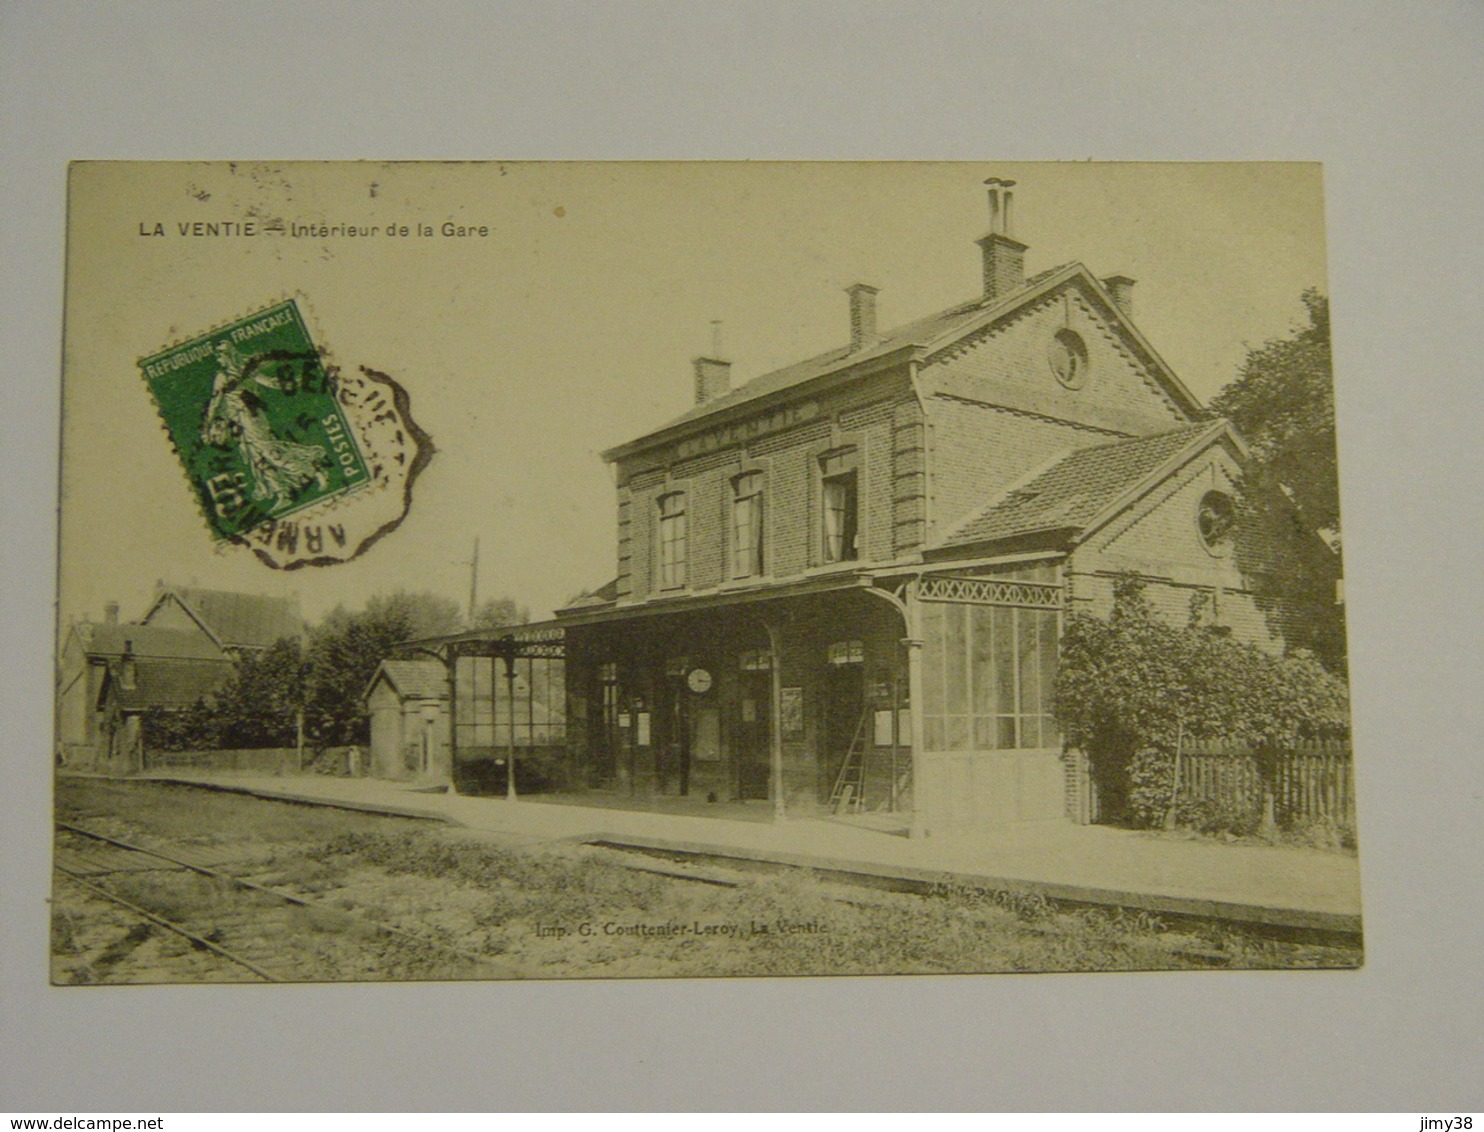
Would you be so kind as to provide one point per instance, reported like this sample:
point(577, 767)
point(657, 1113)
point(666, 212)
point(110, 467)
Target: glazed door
point(753, 731)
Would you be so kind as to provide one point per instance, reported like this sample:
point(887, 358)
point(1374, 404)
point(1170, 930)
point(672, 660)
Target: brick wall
point(878, 415)
point(997, 413)
point(910, 480)
point(1158, 539)
point(977, 452)
point(1009, 364)
point(624, 586)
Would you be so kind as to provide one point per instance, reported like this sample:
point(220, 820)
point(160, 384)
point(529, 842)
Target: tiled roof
point(917, 333)
point(168, 683)
point(148, 640)
point(417, 679)
point(605, 594)
point(1076, 489)
point(238, 619)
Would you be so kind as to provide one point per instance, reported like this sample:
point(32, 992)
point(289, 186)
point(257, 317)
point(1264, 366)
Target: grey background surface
point(1386, 95)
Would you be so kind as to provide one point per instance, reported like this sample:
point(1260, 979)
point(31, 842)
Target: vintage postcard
point(567, 570)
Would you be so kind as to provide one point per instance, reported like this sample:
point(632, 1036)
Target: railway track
point(246, 925)
point(869, 890)
point(264, 904)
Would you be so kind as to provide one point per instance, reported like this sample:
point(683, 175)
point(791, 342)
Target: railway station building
point(840, 586)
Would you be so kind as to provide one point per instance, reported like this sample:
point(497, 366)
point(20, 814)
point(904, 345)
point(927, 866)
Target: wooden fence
point(1298, 783)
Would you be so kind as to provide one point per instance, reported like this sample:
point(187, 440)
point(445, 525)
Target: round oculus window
point(1069, 359)
point(1215, 518)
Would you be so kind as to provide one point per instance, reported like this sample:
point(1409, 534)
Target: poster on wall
point(373, 472)
point(791, 711)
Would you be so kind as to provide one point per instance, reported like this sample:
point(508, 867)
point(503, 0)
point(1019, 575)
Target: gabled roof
point(413, 679)
point(1079, 489)
point(922, 337)
point(236, 620)
point(161, 683)
point(108, 640)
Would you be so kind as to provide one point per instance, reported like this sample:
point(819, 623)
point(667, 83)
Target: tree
point(259, 705)
point(346, 648)
point(427, 614)
point(1282, 403)
point(172, 729)
point(499, 612)
point(344, 652)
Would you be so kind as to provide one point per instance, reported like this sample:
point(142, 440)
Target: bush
point(1321, 833)
point(1132, 690)
point(1152, 779)
point(171, 729)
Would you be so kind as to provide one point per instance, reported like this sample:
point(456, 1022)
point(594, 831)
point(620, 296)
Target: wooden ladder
point(848, 796)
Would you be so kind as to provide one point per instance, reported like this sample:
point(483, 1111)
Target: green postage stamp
point(275, 441)
point(254, 418)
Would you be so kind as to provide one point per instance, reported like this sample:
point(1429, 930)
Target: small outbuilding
point(132, 687)
point(407, 701)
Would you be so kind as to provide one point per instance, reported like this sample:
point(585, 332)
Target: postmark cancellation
point(291, 456)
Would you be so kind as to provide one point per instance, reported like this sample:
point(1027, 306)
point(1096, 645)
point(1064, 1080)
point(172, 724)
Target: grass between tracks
point(570, 912)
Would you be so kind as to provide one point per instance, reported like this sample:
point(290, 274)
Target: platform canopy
point(538, 640)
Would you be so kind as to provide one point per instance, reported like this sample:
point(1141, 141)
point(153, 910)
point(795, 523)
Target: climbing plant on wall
point(1132, 691)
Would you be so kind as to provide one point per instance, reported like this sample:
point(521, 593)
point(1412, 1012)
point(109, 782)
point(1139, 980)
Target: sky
point(570, 326)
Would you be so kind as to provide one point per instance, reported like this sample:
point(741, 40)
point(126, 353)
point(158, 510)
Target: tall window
point(839, 497)
point(987, 673)
point(490, 713)
point(747, 525)
point(672, 540)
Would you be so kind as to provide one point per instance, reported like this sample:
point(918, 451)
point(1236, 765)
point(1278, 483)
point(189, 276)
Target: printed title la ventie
point(318, 230)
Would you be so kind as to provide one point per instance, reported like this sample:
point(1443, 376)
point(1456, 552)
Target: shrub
point(1132, 691)
point(1151, 786)
point(171, 729)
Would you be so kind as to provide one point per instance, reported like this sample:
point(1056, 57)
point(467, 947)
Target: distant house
point(407, 701)
point(239, 623)
point(133, 685)
point(182, 650)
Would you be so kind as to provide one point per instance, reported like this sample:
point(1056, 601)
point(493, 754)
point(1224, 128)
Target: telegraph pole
point(474, 582)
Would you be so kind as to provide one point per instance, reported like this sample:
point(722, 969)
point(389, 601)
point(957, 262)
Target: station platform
point(1283, 886)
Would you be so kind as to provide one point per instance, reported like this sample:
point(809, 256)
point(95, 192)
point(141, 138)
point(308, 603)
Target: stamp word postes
point(278, 447)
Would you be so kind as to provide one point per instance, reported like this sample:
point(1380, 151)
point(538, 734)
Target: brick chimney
point(128, 671)
point(1004, 256)
point(713, 379)
point(713, 376)
point(862, 315)
point(1121, 290)
point(110, 613)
